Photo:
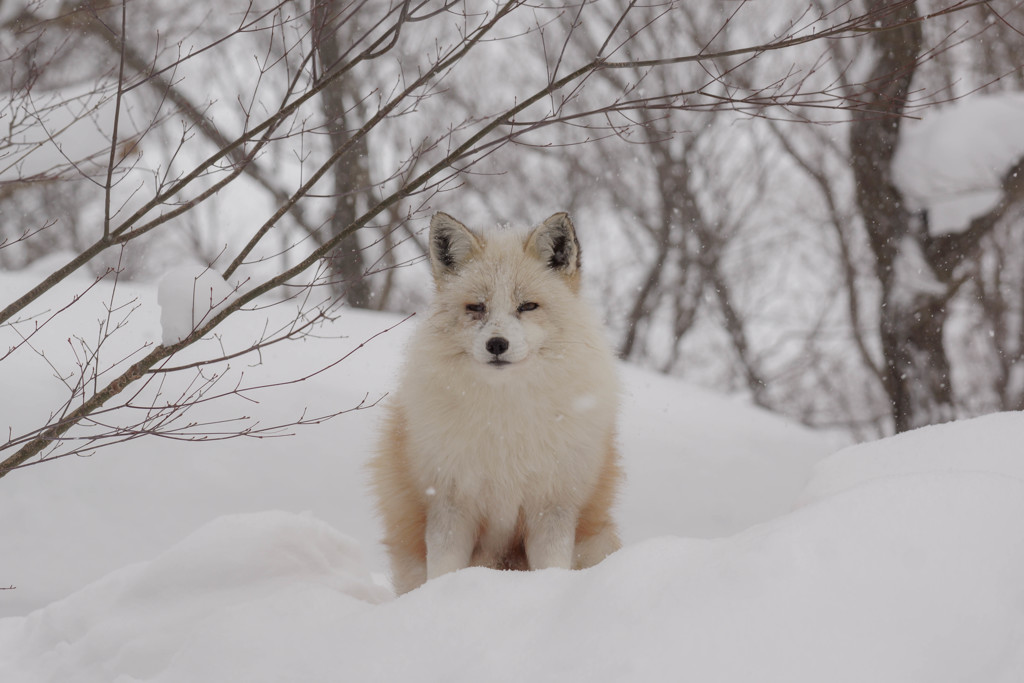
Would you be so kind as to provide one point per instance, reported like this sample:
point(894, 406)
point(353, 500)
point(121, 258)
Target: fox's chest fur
point(539, 435)
point(498, 449)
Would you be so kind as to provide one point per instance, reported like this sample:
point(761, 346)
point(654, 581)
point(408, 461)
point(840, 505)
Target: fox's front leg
point(451, 536)
point(551, 537)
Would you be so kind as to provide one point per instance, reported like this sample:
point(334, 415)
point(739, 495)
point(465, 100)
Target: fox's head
point(506, 296)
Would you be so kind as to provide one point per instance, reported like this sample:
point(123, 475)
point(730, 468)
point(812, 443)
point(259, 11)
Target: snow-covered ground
point(751, 553)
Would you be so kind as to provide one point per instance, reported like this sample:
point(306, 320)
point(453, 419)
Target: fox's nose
point(497, 345)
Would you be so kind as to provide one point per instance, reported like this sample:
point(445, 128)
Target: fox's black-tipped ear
point(554, 242)
point(451, 245)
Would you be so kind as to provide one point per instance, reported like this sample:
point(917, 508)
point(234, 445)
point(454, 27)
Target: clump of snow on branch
point(913, 278)
point(951, 162)
point(189, 297)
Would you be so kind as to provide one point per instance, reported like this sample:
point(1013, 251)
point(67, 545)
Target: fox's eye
point(528, 306)
point(476, 308)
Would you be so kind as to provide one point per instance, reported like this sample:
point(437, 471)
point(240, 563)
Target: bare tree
point(350, 173)
point(919, 272)
point(887, 291)
point(147, 178)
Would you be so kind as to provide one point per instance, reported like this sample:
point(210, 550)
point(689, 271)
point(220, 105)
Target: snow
point(913, 278)
point(952, 161)
point(989, 444)
point(189, 296)
point(750, 553)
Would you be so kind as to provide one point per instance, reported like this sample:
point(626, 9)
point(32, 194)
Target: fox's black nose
point(497, 345)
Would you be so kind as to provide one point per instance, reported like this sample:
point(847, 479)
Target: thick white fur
point(490, 462)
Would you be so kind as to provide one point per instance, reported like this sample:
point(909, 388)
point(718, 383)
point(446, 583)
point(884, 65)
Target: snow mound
point(134, 621)
point(706, 465)
point(988, 444)
point(189, 297)
point(697, 463)
point(903, 564)
point(748, 557)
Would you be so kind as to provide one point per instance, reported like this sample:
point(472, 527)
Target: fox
point(498, 448)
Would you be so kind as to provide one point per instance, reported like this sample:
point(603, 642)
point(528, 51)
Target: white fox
point(499, 445)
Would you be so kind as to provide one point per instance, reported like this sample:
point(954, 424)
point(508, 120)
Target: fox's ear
point(451, 245)
point(554, 242)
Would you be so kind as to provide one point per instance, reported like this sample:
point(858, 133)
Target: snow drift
point(750, 556)
point(905, 572)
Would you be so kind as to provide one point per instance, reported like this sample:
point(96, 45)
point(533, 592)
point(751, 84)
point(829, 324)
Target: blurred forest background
point(815, 203)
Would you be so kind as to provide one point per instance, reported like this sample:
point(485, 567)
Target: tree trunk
point(919, 272)
point(913, 309)
point(350, 173)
